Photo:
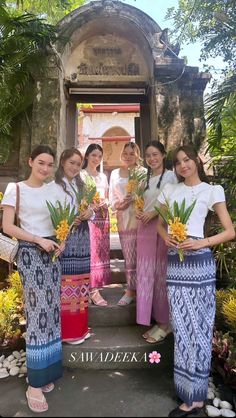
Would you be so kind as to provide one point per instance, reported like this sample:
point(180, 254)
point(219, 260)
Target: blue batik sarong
point(191, 294)
point(41, 279)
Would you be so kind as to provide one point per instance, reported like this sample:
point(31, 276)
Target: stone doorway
point(111, 52)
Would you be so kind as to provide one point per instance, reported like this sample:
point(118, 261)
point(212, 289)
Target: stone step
point(112, 315)
point(117, 271)
point(116, 253)
point(118, 348)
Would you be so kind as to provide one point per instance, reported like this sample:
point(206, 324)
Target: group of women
point(167, 290)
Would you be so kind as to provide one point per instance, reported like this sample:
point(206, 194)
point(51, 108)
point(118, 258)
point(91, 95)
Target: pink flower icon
point(154, 357)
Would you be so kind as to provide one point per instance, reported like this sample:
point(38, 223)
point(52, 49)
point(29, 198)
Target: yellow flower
point(83, 206)
point(1, 196)
point(97, 198)
point(178, 230)
point(131, 186)
point(62, 230)
point(139, 203)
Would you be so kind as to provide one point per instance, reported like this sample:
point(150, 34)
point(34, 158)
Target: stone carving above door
point(106, 57)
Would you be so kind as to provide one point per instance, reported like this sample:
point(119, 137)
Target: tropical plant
point(9, 316)
point(224, 357)
point(51, 10)
point(210, 22)
point(25, 41)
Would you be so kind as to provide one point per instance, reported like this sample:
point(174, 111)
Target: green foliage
point(209, 21)
point(224, 357)
point(9, 319)
point(51, 10)
point(24, 43)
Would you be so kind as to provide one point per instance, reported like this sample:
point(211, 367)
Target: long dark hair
point(158, 145)
point(89, 150)
point(42, 149)
point(66, 154)
point(191, 152)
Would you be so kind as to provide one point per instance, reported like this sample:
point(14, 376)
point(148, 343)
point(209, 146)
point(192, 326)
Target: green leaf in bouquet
point(182, 210)
point(188, 212)
point(176, 209)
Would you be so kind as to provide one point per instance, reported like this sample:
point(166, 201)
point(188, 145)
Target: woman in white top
point(151, 292)
point(100, 273)
point(41, 277)
point(75, 260)
point(122, 202)
point(191, 282)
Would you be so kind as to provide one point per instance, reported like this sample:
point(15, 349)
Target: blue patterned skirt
point(41, 279)
point(191, 293)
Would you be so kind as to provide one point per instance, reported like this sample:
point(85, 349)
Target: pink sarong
point(100, 273)
point(151, 295)
point(128, 240)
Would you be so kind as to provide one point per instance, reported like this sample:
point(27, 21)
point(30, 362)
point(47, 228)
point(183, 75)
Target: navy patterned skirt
point(191, 293)
point(41, 279)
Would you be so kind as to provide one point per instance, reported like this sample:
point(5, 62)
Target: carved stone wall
point(109, 45)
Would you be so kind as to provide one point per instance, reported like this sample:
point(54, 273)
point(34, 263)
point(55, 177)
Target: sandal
point(149, 333)
point(36, 404)
point(158, 335)
point(48, 388)
point(97, 299)
point(125, 300)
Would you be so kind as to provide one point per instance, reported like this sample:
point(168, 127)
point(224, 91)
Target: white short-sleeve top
point(206, 196)
point(126, 219)
point(100, 180)
point(151, 194)
point(34, 215)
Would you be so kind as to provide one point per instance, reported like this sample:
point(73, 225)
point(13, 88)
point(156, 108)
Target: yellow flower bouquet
point(136, 176)
point(85, 196)
point(138, 198)
point(177, 219)
point(62, 217)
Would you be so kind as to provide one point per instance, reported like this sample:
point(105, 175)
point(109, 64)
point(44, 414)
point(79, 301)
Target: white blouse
point(34, 215)
point(206, 196)
point(151, 194)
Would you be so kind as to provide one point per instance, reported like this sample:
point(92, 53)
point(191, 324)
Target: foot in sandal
point(48, 388)
point(97, 299)
point(149, 333)
point(158, 335)
point(36, 400)
point(126, 299)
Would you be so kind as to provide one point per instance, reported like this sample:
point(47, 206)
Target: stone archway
point(114, 52)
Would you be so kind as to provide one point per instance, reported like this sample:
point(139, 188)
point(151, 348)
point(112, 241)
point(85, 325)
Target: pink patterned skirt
point(100, 273)
point(151, 293)
point(128, 240)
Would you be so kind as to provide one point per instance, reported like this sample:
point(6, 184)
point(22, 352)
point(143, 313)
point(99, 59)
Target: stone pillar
point(46, 113)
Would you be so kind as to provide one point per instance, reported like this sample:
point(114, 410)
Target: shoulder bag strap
point(17, 204)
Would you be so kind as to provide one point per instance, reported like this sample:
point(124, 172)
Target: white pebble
point(1, 365)
point(14, 371)
point(6, 363)
point(216, 402)
point(212, 411)
point(3, 374)
point(2, 358)
point(10, 358)
point(16, 354)
point(225, 412)
point(210, 394)
point(21, 375)
point(23, 369)
point(225, 405)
